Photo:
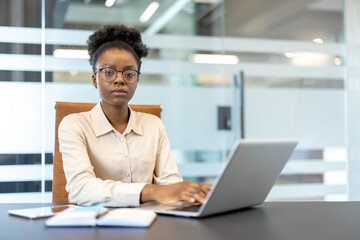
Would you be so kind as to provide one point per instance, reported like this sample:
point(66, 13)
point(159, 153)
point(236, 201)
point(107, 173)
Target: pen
point(102, 212)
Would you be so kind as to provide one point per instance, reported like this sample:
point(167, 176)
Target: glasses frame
point(117, 72)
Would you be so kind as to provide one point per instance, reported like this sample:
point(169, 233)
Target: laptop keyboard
point(193, 208)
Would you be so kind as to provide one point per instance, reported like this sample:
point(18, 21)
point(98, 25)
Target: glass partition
point(292, 70)
point(292, 54)
point(20, 96)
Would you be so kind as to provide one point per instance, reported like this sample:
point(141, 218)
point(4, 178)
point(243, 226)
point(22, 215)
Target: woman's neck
point(118, 116)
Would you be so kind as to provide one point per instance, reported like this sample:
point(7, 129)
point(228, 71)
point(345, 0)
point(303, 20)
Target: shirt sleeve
point(83, 186)
point(166, 171)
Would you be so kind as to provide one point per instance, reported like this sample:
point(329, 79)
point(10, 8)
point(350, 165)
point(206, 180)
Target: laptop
point(245, 180)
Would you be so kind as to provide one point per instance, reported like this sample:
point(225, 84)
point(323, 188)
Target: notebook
point(98, 215)
point(246, 179)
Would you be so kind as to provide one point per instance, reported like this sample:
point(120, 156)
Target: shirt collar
point(102, 125)
point(134, 123)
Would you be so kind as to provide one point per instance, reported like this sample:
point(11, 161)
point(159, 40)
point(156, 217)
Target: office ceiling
point(285, 19)
point(275, 19)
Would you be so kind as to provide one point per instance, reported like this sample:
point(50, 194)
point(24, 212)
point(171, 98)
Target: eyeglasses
point(109, 74)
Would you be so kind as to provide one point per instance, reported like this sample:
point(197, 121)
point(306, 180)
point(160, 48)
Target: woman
point(113, 154)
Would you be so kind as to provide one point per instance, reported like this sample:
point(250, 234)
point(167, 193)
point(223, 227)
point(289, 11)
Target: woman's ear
point(94, 80)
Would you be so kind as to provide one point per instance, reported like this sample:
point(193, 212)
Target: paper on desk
point(81, 216)
point(128, 217)
point(99, 216)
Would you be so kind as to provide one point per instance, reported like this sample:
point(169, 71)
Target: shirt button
point(121, 139)
point(126, 155)
point(128, 174)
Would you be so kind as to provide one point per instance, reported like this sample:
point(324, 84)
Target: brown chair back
point(62, 109)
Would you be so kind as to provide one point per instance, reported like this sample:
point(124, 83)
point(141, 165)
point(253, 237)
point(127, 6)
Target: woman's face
point(118, 92)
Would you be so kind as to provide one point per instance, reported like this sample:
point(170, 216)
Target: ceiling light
point(73, 73)
point(149, 11)
point(207, 1)
point(71, 53)
point(166, 16)
point(215, 59)
point(289, 54)
point(337, 61)
point(308, 59)
point(318, 40)
point(110, 3)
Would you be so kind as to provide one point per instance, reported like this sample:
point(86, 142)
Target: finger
point(194, 192)
point(207, 186)
point(193, 184)
point(200, 186)
point(200, 189)
point(204, 189)
point(187, 198)
point(198, 195)
point(194, 199)
point(199, 198)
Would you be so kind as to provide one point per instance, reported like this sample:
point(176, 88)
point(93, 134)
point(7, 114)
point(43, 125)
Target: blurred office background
point(289, 55)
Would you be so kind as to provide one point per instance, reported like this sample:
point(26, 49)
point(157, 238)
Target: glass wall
point(20, 88)
point(352, 32)
point(290, 55)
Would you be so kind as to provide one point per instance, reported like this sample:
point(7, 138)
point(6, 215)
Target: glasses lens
point(108, 74)
point(130, 76)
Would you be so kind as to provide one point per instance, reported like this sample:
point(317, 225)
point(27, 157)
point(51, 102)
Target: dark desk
point(281, 220)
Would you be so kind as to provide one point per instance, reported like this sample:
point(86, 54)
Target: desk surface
point(280, 220)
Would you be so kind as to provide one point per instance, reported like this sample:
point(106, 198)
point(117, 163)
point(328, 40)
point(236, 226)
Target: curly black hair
point(116, 36)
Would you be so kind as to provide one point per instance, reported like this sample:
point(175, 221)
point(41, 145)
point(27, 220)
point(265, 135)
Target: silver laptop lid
point(250, 172)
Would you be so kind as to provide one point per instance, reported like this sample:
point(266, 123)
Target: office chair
point(62, 109)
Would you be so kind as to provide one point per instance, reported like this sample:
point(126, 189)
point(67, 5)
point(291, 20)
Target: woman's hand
point(183, 191)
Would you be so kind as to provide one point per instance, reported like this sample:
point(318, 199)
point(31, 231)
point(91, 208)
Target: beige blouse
point(103, 165)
